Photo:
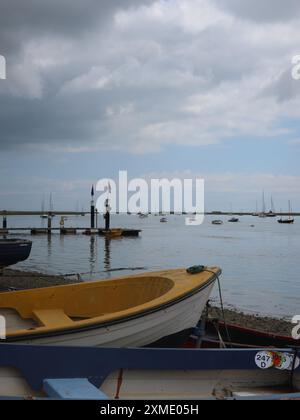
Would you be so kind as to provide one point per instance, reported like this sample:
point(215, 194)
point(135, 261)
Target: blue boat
point(13, 251)
point(122, 374)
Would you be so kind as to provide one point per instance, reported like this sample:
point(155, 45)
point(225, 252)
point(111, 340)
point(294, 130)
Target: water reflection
point(49, 247)
point(107, 254)
point(93, 254)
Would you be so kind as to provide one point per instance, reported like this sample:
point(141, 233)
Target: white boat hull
point(140, 331)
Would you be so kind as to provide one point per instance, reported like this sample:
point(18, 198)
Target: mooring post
point(49, 223)
point(107, 215)
point(92, 209)
point(96, 218)
point(4, 223)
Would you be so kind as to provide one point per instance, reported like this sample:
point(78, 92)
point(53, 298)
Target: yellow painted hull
point(127, 311)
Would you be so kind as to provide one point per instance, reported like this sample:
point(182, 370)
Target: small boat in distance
point(217, 222)
point(234, 220)
point(50, 213)
point(163, 220)
point(263, 214)
point(13, 251)
point(272, 212)
point(159, 309)
point(290, 220)
point(43, 215)
point(143, 216)
point(113, 233)
point(286, 221)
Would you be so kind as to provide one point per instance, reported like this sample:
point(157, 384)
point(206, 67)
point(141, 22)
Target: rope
point(293, 368)
point(105, 271)
point(222, 344)
point(222, 305)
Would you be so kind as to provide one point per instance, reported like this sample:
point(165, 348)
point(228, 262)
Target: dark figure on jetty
point(107, 216)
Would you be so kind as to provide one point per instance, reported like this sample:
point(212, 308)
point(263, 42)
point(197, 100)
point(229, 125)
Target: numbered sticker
point(264, 360)
point(281, 361)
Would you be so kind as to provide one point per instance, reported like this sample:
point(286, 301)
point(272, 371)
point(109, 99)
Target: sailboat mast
point(272, 205)
point(51, 204)
point(264, 204)
point(290, 210)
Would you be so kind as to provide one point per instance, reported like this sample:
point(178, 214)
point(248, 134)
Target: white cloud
point(193, 16)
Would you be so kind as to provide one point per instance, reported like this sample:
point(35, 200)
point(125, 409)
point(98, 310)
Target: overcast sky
point(169, 87)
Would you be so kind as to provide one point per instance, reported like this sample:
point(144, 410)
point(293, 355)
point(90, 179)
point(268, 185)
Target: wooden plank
point(73, 389)
point(52, 318)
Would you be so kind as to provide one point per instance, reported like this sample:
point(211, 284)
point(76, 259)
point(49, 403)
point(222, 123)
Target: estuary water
point(260, 263)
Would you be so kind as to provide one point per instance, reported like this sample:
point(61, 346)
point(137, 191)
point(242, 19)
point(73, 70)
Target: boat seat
point(52, 318)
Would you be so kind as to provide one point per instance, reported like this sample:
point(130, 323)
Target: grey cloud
point(20, 20)
point(140, 87)
point(262, 10)
point(284, 88)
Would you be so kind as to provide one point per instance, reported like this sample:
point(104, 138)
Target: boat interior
point(222, 384)
point(173, 385)
point(43, 308)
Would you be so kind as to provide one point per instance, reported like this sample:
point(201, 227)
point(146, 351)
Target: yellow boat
point(114, 233)
point(152, 308)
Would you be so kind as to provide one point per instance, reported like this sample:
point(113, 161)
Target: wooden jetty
point(68, 231)
point(106, 232)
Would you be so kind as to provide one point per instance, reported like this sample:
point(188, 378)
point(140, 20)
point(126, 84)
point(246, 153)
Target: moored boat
point(143, 216)
point(234, 220)
point(34, 372)
point(13, 251)
point(290, 220)
point(216, 336)
point(130, 311)
point(113, 233)
point(286, 221)
point(217, 222)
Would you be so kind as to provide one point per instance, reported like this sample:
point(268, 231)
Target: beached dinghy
point(13, 251)
point(153, 308)
point(147, 374)
point(242, 337)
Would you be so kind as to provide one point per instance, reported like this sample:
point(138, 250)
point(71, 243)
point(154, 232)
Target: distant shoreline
point(7, 213)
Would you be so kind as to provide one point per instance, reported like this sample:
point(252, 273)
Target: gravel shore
point(260, 323)
point(15, 279)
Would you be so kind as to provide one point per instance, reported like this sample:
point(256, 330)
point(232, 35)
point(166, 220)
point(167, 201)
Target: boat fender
point(196, 269)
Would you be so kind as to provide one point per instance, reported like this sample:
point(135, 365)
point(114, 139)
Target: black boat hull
point(14, 251)
point(286, 222)
point(244, 338)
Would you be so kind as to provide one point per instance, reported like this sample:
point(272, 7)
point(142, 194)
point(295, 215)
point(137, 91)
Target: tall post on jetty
point(92, 209)
point(49, 223)
point(4, 223)
point(96, 210)
point(107, 215)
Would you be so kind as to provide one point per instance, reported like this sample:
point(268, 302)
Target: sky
point(160, 88)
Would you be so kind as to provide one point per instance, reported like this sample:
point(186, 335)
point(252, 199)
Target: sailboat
point(51, 206)
point(272, 212)
point(256, 210)
point(263, 215)
point(290, 219)
point(43, 215)
point(233, 218)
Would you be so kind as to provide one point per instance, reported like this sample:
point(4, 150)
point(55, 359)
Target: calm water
point(260, 264)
